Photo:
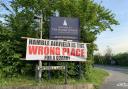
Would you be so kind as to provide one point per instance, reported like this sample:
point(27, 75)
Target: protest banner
point(55, 50)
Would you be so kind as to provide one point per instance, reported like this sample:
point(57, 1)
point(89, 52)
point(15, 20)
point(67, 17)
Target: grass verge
point(96, 77)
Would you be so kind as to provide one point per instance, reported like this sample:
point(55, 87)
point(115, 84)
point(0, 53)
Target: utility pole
point(40, 62)
point(39, 67)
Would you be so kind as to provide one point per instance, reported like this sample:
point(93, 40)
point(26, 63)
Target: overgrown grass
point(96, 76)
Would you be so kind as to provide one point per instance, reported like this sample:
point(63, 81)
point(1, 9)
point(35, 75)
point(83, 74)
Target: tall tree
point(94, 19)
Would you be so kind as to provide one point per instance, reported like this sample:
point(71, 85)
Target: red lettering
point(82, 53)
point(57, 51)
point(72, 52)
point(40, 50)
point(52, 50)
point(77, 52)
point(63, 51)
point(32, 50)
point(68, 52)
point(46, 50)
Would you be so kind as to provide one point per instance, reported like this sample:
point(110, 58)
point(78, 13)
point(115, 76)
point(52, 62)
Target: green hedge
point(120, 59)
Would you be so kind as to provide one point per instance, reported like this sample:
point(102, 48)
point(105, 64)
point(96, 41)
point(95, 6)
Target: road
point(118, 78)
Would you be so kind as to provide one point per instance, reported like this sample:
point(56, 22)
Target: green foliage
point(106, 59)
point(121, 59)
point(8, 57)
point(98, 59)
point(96, 77)
point(94, 19)
point(10, 63)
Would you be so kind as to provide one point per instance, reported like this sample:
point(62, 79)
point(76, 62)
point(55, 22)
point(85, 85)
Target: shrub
point(121, 59)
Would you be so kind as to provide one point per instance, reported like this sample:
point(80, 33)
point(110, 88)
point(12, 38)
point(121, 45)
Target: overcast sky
point(117, 40)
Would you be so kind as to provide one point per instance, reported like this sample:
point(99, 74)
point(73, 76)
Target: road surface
point(118, 78)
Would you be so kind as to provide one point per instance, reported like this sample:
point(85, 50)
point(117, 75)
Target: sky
point(2, 10)
point(117, 40)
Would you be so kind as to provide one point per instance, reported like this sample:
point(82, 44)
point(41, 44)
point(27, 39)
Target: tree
point(94, 19)
point(108, 56)
point(8, 57)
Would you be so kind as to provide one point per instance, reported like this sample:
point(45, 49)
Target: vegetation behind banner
point(94, 19)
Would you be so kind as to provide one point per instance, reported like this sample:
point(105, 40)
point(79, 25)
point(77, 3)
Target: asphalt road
point(118, 78)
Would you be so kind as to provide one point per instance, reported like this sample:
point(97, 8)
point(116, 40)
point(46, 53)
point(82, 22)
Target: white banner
point(55, 50)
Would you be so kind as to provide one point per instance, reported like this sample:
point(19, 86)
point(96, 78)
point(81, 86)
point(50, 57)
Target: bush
point(118, 59)
point(98, 59)
point(10, 63)
point(121, 59)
